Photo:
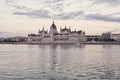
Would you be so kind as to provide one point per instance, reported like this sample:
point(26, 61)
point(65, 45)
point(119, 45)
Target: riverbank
point(86, 43)
point(35, 43)
point(103, 43)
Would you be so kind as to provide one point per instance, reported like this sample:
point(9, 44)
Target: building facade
point(53, 36)
point(115, 37)
point(93, 38)
point(106, 36)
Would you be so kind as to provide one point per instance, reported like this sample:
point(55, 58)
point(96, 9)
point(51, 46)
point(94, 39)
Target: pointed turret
point(75, 30)
point(39, 31)
point(60, 29)
point(43, 29)
point(84, 33)
point(70, 29)
point(65, 27)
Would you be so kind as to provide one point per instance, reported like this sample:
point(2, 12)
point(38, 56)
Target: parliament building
point(53, 36)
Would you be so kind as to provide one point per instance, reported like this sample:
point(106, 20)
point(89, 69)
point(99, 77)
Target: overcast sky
point(27, 16)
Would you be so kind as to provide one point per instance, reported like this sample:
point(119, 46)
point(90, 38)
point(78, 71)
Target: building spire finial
point(65, 27)
point(69, 28)
point(43, 28)
point(60, 28)
point(53, 21)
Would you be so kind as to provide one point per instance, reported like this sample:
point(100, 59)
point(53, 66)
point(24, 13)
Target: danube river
point(59, 62)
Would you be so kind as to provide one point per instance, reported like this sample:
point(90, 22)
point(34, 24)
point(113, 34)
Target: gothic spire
point(43, 28)
point(65, 27)
point(53, 21)
point(69, 28)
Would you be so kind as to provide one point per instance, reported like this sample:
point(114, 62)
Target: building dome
point(53, 26)
point(53, 29)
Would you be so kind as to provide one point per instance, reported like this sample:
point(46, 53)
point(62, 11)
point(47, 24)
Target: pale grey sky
point(27, 16)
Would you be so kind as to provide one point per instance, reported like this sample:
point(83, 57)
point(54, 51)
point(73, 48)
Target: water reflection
point(59, 62)
point(107, 47)
point(53, 57)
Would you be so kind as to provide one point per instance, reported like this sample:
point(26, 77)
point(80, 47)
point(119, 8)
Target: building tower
point(53, 29)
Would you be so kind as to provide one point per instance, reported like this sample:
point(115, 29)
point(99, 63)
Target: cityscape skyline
point(92, 16)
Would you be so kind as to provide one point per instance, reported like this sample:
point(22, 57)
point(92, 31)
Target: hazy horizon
point(28, 16)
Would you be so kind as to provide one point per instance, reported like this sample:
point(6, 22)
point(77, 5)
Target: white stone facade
point(65, 36)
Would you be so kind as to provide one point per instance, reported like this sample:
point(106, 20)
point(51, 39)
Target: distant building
point(93, 37)
point(53, 36)
point(106, 36)
point(15, 39)
point(115, 37)
point(1, 39)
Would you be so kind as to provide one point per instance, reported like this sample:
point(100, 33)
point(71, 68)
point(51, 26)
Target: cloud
point(21, 7)
point(52, 5)
point(70, 15)
point(46, 14)
point(34, 13)
point(65, 16)
point(53, 1)
point(26, 11)
point(102, 18)
point(9, 1)
point(111, 2)
point(67, 9)
point(55, 5)
point(12, 3)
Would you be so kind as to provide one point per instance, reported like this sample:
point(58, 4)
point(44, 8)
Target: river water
point(59, 62)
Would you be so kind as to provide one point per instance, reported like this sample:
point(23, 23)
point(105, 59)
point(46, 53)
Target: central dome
point(53, 29)
point(53, 26)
